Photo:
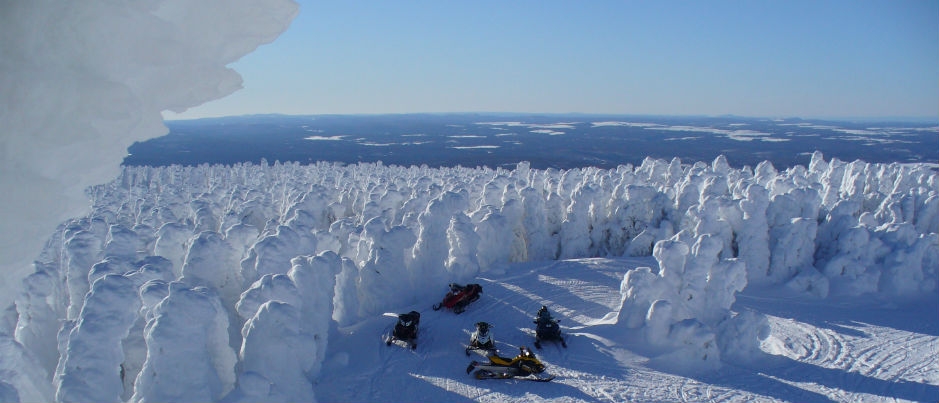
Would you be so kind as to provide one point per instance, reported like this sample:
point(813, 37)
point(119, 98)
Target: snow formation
point(84, 80)
point(227, 281)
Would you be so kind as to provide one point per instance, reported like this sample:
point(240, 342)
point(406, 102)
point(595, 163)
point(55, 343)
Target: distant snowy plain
point(545, 141)
point(674, 282)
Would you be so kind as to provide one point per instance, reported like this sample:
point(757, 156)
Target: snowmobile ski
point(537, 343)
point(536, 379)
point(487, 351)
point(481, 375)
point(410, 344)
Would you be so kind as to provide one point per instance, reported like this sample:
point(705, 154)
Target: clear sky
point(822, 58)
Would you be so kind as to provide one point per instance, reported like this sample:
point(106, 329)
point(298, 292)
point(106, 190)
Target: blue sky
point(752, 58)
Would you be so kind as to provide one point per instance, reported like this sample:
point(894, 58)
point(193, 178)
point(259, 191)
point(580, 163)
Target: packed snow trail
point(813, 355)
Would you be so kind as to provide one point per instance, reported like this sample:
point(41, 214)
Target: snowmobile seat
point(499, 360)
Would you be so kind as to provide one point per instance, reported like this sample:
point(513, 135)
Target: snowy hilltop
point(242, 283)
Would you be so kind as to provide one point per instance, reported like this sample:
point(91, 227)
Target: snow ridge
point(290, 251)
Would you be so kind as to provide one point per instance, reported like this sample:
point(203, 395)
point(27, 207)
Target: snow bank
point(92, 371)
point(188, 355)
point(681, 309)
point(290, 251)
point(84, 80)
point(22, 378)
point(296, 310)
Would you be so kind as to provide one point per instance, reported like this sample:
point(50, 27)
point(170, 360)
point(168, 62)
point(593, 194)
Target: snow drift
point(289, 252)
point(83, 80)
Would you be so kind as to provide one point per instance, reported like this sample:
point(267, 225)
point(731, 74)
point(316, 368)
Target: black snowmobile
point(524, 366)
point(547, 328)
point(406, 329)
point(481, 339)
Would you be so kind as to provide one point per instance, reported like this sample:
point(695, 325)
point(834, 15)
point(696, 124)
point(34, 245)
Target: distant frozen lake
point(546, 141)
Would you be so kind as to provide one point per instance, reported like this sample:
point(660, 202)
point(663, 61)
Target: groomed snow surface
point(674, 282)
point(816, 352)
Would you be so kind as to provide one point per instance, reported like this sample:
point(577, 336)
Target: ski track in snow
point(848, 355)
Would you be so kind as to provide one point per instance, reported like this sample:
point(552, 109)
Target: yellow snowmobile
point(524, 366)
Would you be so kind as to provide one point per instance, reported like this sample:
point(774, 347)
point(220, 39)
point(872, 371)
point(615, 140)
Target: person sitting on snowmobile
point(547, 328)
point(543, 315)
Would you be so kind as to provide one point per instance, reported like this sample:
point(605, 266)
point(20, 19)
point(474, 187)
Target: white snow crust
point(269, 282)
point(81, 81)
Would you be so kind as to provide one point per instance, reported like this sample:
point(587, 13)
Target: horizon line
point(849, 119)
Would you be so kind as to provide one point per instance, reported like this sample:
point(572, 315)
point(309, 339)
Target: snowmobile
point(524, 366)
point(547, 328)
point(481, 339)
point(459, 297)
point(406, 329)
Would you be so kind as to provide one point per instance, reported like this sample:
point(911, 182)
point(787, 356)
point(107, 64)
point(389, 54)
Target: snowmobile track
point(811, 356)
